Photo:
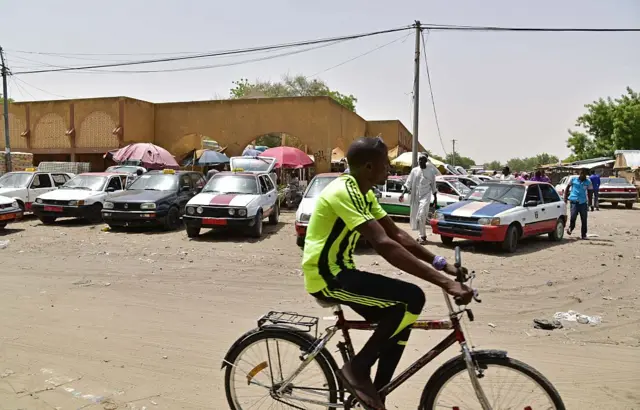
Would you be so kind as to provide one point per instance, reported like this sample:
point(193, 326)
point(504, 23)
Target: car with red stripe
point(239, 199)
point(25, 186)
point(503, 212)
point(9, 211)
point(617, 190)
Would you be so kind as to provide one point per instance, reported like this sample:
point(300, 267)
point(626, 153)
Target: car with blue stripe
point(503, 212)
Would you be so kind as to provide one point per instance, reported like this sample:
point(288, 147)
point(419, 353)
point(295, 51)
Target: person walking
point(506, 174)
point(576, 194)
point(421, 184)
point(595, 191)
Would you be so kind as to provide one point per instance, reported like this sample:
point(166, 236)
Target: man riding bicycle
point(346, 209)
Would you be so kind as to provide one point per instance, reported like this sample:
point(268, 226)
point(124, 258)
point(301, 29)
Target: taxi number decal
point(536, 214)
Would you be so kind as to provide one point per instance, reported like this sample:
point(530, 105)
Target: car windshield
point(129, 169)
point(502, 193)
point(15, 180)
point(614, 181)
point(87, 182)
point(459, 186)
point(317, 185)
point(251, 164)
point(155, 182)
point(232, 184)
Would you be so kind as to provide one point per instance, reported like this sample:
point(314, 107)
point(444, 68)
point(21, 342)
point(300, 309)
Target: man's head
point(506, 171)
point(593, 172)
point(422, 160)
point(538, 174)
point(368, 160)
point(583, 174)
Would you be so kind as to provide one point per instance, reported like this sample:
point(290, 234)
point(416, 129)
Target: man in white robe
point(422, 184)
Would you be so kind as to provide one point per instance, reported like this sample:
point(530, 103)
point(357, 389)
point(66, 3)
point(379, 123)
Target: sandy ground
point(143, 319)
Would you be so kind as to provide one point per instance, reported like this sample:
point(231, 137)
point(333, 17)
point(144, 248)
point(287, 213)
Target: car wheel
point(614, 204)
point(447, 240)
point(47, 220)
point(274, 218)
point(628, 205)
point(172, 220)
point(510, 243)
point(300, 241)
point(558, 233)
point(193, 231)
point(256, 229)
point(95, 213)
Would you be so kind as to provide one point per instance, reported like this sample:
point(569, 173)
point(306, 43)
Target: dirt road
point(105, 320)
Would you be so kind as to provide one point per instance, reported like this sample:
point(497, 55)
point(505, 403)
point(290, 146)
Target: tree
point(525, 164)
point(608, 125)
point(9, 99)
point(291, 86)
point(493, 166)
point(464, 162)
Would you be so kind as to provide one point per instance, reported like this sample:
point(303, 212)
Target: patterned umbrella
point(288, 157)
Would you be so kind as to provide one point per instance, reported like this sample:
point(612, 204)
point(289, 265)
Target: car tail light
point(604, 190)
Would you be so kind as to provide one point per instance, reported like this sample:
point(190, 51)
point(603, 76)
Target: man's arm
point(394, 253)
point(406, 241)
point(567, 190)
point(407, 184)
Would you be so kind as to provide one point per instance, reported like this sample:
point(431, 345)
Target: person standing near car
point(576, 194)
point(595, 191)
point(422, 184)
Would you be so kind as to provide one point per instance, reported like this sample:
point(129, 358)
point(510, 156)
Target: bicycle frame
point(347, 351)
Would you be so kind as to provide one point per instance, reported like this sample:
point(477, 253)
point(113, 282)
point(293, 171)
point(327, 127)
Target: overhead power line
point(433, 101)
point(216, 54)
point(527, 29)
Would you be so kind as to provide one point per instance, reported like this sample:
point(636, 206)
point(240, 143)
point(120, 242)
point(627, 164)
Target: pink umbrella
point(288, 157)
point(147, 155)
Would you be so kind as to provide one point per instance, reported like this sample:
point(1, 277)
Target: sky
point(500, 95)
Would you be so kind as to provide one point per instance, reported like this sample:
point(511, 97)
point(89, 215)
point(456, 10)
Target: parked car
point(503, 212)
point(451, 186)
point(155, 198)
point(389, 197)
point(469, 181)
point(26, 186)
point(9, 211)
point(126, 169)
point(239, 199)
point(308, 203)
point(617, 190)
point(562, 185)
point(82, 196)
point(484, 178)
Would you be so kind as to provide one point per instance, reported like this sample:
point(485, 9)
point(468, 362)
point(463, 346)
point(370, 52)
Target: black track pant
point(391, 303)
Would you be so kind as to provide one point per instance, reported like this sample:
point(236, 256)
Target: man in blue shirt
point(576, 193)
point(595, 187)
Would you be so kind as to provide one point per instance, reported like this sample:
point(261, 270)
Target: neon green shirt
point(331, 236)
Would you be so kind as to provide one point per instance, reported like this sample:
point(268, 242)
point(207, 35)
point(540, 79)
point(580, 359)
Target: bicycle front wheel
point(507, 383)
point(260, 364)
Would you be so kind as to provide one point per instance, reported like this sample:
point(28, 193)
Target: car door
point(272, 195)
point(533, 214)
point(266, 196)
point(553, 207)
point(391, 196)
point(115, 184)
point(186, 190)
point(40, 184)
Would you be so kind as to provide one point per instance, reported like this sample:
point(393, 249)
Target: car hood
point(140, 195)
point(211, 199)
point(70, 194)
point(4, 200)
point(10, 191)
point(477, 209)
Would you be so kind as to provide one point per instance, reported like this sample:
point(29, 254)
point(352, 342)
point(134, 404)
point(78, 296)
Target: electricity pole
point(7, 142)
point(416, 97)
point(453, 155)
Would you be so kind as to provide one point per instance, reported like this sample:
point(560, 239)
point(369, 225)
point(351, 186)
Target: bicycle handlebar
point(462, 278)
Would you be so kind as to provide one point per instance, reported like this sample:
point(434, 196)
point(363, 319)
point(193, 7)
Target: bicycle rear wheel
point(507, 383)
point(261, 362)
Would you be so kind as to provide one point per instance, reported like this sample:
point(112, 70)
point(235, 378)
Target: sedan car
point(155, 198)
point(617, 190)
point(308, 203)
point(503, 212)
point(389, 197)
point(9, 211)
point(25, 186)
point(239, 199)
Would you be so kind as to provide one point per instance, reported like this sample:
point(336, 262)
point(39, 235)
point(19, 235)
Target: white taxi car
point(503, 212)
point(9, 211)
point(25, 186)
point(239, 199)
point(81, 197)
point(389, 195)
point(308, 203)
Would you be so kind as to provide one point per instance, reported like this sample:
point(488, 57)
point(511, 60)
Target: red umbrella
point(288, 157)
point(147, 155)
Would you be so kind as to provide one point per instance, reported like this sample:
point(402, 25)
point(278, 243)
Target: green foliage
point(275, 140)
point(530, 163)
point(608, 125)
point(291, 86)
point(9, 99)
point(493, 166)
point(464, 162)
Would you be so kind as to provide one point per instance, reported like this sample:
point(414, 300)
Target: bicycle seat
point(327, 305)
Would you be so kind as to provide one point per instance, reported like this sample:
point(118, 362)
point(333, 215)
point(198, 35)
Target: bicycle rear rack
point(303, 322)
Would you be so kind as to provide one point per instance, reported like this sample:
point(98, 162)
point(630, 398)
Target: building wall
point(139, 121)
point(17, 124)
point(95, 120)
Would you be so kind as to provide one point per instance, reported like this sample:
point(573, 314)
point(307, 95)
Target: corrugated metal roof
point(627, 159)
point(591, 164)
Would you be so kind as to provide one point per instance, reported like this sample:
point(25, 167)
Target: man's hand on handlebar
point(461, 293)
point(453, 271)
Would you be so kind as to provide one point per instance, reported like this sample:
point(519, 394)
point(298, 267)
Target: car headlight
point(305, 217)
point(148, 205)
point(14, 204)
point(38, 200)
point(232, 211)
point(76, 203)
point(489, 221)
point(439, 216)
point(200, 210)
point(191, 210)
point(242, 212)
point(108, 205)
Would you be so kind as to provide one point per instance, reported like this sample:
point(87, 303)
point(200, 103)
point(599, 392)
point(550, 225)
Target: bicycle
point(278, 329)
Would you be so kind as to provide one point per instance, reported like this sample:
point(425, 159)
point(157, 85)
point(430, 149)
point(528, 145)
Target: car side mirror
point(111, 189)
point(531, 203)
